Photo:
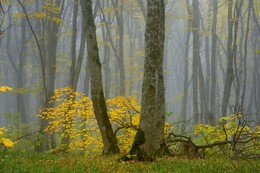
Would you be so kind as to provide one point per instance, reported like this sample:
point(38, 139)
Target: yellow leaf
point(5, 88)
point(7, 142)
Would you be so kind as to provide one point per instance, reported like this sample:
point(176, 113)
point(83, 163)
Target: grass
point(47, 163)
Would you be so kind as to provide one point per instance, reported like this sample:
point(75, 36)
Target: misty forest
point(129, 85)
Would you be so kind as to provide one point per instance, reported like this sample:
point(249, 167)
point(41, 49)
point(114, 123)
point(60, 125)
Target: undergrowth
point(52, 163)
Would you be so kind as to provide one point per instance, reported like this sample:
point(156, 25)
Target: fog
point(223, 48)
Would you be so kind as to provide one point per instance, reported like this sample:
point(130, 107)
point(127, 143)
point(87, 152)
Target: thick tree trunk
point(150, 136)
point(97, 94)
point(150, 116)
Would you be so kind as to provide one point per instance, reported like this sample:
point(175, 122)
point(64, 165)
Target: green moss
point(49, 163)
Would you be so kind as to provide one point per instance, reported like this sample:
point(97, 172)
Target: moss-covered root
point(136, 152)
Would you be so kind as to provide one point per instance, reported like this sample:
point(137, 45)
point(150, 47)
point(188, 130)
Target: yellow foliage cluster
point(52, 11)
point(39, 15)
point(49, 12)
point(6, 142)
point(228, 127)
point(72, 115)
point(50, 7)
point(5, 88)
point(124, 113)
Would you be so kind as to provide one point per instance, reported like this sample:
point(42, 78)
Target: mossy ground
point(51, 163)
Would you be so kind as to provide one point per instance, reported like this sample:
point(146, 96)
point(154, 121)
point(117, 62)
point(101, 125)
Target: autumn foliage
point(234, 136)
point(73, 115)
point(5, 141)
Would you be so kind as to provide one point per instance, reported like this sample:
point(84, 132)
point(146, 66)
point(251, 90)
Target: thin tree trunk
point(42, 145)
point(19, 69)
point(120, 58)
point(74, 69)
point(97, 94)
point(245, 54)
point(186, 66)
point(52, 30)
point(142, 7)
point(21, 75)
point(196, 57)
point(230, 71)
point(212, 113)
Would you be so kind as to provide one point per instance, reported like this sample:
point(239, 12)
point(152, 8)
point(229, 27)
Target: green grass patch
point(48, 163)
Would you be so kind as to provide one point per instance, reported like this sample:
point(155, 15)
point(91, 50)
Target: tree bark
point(120, 58)
point(186, 66)
point(212, 113)
point(229, 73)
point(75, 67)
point(245, 54)
point(42, 144)
point(196, 58)
point(231, 49)
point(49, 73)
point(150, 136)
point(97, 94)
point(19, 69)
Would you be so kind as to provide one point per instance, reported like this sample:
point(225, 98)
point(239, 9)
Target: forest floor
point(52, 163)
